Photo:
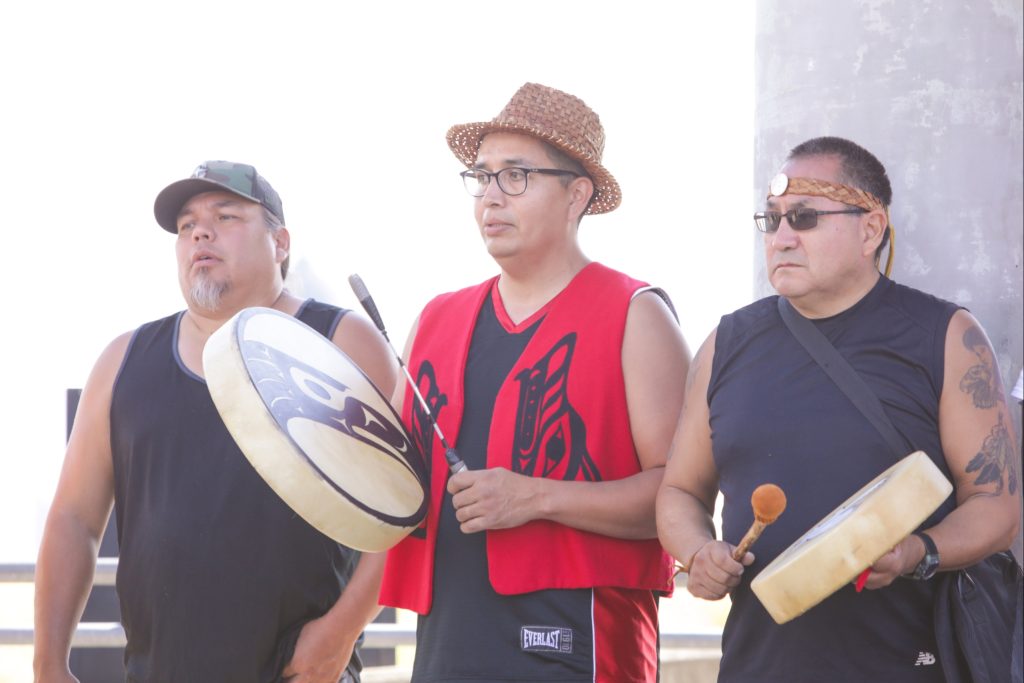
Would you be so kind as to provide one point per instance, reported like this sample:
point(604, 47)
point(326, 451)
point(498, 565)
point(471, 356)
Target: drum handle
point(455, 463)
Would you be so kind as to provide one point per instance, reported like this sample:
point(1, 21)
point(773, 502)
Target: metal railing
point(25, 572)
point(110, 634)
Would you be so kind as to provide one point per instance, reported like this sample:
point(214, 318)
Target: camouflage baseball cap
point(211, 176)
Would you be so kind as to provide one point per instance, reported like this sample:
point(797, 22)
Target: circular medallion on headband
point(778, 186)
point(852, 537)
point(316, 429)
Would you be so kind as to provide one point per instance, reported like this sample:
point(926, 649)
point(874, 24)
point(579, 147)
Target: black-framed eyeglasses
point(799, 219)
point(511, 180)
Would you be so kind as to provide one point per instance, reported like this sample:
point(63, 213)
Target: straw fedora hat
point(559, 119)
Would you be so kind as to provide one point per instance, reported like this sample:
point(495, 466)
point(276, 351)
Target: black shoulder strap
point(843, 374)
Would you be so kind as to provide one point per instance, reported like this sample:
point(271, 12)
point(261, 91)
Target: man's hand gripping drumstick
point(768, 502)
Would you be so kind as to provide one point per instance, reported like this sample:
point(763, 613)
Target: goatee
point(206, 293)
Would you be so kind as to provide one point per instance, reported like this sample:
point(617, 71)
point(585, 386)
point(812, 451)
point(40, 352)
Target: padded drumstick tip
point(363, 294)
point(358, 287)
point(768, 501)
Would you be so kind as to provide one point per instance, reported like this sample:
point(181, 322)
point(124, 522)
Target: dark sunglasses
point(799, 219)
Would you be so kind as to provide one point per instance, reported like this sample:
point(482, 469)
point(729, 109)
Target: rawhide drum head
point(316, 429)
point(852, 537)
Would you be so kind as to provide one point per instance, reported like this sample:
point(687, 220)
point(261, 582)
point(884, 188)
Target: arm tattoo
point(981, 380)
point(995, 457)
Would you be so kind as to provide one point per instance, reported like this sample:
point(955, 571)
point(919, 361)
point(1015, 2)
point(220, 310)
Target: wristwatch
point(929, 564)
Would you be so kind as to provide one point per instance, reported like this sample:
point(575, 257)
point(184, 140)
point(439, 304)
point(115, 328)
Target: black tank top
point(776, 417)
point(472, 632)
point(217, 575)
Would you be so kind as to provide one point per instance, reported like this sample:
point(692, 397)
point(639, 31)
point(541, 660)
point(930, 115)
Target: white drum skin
point(852, 537)
point(316, 429)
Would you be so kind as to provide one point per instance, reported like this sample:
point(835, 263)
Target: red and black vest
point(561, 413)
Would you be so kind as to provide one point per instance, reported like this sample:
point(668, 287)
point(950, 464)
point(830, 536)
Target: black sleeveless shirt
point(217, 575)
point(776, 417)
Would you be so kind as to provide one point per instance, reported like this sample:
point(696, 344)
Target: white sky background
point(344, 109)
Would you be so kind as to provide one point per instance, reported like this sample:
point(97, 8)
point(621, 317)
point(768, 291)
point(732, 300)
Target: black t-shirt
point(217, 574)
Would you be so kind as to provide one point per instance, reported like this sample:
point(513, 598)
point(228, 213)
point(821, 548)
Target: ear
point(282, 243)
point(873, 230)
point(581, 190)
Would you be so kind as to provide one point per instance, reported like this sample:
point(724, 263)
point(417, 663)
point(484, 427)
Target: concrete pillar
point(934, 90)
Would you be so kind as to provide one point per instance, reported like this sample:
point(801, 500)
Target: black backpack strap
point(843, 374)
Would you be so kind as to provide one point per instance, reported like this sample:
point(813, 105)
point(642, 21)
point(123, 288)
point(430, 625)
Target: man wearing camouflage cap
point(560, 381)
point(218, 579)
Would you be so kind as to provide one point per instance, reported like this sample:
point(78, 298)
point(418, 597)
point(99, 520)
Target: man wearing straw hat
point(562, 380)
point(760, 409)
point(218, 579)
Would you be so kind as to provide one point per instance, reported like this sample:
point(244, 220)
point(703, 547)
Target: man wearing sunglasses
point(559, 381)
point(760, 409)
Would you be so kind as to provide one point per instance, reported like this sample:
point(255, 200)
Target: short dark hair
point(858, 167)
point(274, 224)
point(560, 159)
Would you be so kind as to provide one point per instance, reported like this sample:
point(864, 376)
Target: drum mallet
point(768, 501)
point(455, 463)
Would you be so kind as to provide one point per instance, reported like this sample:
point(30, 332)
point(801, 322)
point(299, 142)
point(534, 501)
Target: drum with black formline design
point(316, 429)
point(852, 537)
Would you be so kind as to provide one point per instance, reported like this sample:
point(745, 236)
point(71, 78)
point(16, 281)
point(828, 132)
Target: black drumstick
point(455, 463)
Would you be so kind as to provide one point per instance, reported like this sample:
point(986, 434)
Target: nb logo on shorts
point(546, 639)
point(924, 659)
